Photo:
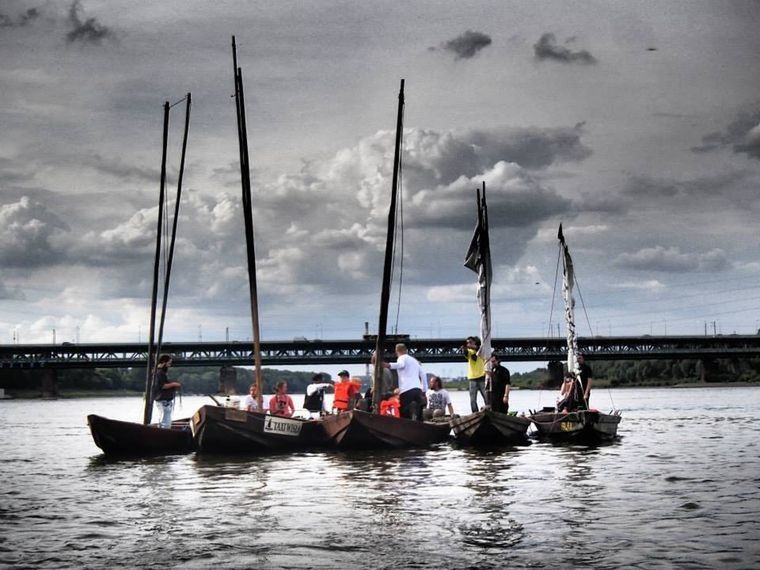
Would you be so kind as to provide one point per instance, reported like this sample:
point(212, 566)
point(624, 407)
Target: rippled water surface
point(680, 489)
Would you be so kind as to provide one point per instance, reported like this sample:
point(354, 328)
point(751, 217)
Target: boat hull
point(361, 430)
point(119, 438)
point(229, 430)
point(586, 425)
point(487, 427)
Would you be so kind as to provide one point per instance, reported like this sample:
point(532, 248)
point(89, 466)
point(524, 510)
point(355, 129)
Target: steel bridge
point(358, 351)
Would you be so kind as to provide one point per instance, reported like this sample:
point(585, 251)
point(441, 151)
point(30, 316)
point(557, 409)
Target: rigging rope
point(554, 293)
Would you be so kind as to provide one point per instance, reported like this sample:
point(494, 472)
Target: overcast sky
point(635, 124)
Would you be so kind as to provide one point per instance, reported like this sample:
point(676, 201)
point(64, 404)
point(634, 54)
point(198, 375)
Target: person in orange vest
point(345, 392)
point(391, 405)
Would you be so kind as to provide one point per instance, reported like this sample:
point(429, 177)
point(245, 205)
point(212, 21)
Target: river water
point(679, 489)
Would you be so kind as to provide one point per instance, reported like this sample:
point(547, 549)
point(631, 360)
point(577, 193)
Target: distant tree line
point(614, 373)
point(195, 380)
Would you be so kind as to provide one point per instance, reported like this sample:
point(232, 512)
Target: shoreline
point(74, 394)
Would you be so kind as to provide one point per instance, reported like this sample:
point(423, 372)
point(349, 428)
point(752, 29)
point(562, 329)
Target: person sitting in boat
point(566, 393)
point(439, 400)
point(586, 381)
point(281, 404)
point(346, 391)
point(391, 404)
point(476, 371)
point(500, 385)
point(411, 383)
point(314, 401)
point(251, 402)
point(165, 390)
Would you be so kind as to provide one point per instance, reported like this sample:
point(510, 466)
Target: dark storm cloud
point(15, 294)
point(115, 167)
point(22, 20)
point(467, 45)
point(672, 260)
point(547, 48)
point(89, 31)
point(742, 136)
point(723, 184)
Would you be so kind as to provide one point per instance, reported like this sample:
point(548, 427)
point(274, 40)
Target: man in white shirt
point(411, 382)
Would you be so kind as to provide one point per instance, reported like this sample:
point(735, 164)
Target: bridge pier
point(227, 379)
point(49, 384)
point(708, 368)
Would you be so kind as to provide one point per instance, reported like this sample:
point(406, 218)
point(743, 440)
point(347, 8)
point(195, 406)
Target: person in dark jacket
point(165, 390)
point(500, 385)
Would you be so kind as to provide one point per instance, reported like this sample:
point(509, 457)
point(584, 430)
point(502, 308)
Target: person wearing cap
point(500, 385)
point(314, 401)
point(476, 371)
point(411, 382)
point(345, 392)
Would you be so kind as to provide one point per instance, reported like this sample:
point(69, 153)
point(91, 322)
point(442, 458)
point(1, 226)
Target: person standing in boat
point(584, 397)
point(411, 383)
point(346, 391)
point(439, 400)
point(314, 401)
point(500, 385)
point(281, 404)
point(476, 371)
point(165, 390)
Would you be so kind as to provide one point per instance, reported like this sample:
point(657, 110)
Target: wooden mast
point(148, 411)
point(170, 258)
point(245, 176)
point(387, 267)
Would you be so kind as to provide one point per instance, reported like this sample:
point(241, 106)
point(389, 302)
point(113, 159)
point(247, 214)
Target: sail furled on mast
point(478, 259)
point(568, 282)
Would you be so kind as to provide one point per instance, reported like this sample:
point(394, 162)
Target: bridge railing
point(347, 351)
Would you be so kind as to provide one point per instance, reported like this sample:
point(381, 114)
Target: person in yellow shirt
point(476, 371)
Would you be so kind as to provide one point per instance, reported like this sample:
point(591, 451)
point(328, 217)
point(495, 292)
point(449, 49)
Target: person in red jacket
point(345, 392)
point(281, 404)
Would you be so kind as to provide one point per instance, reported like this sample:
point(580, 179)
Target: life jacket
point(344, 392)
point(390, 407)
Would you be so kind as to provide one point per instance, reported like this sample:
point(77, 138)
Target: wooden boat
point(222, 429)
point(580, 423)
point(219, 429)
point(119, 438)
point(583, 426)
point(357, 429)
point(488, 428)
point(362, 430)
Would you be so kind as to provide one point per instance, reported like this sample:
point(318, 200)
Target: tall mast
point(245, 176)
point(148, 410)
point(173, 240)
point(387, 267)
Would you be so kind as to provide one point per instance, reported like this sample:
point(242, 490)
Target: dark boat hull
point(121, 438)
point(582, 426)
point(229, 430)
point(487, 427)
point(362, 430)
